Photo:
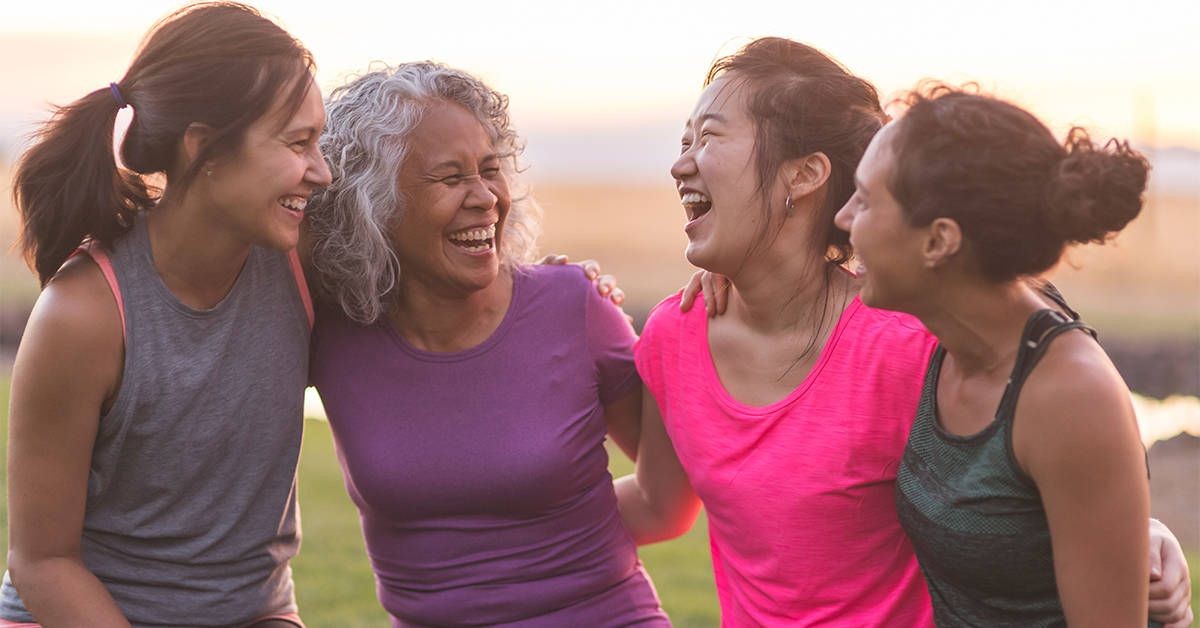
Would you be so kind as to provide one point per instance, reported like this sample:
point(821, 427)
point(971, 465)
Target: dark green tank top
point(975, 518)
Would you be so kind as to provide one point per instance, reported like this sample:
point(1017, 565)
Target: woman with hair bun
point(175, 338)
point(1023, 484)
point(788, 415)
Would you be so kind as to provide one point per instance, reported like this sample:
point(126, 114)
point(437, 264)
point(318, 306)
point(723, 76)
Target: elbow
point(26, 571)
point(671, 525)
point(19, 567)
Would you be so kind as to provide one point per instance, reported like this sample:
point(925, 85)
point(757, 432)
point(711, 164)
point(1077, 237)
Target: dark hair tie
point(116, 94)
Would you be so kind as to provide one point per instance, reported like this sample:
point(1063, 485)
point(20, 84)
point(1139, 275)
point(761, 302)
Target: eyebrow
point(862, 187)
point(306, 130)
point(710, 115)
point(454, 163)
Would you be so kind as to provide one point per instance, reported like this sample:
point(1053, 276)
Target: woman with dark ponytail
point(157, 393)
point(1023, 485)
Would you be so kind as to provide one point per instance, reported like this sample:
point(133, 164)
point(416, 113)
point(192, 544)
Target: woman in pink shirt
point(786, 417)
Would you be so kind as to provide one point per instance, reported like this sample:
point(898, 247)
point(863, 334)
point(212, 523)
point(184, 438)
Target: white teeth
point(694, 197)
point(294, 203)
point(467, 235)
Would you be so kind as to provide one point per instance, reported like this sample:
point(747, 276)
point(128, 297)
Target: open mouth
point(294, 204)
point(475, 239)
point(696, 204)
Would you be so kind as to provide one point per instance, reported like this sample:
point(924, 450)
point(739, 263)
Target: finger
point(1183, 623)
point(1156, 547)
point(1177, 615)
point(708, 283)
point(554, 260)
point(690, 291)
point(1171, 607)
point(722, 296)
point(617, 296)
point(591, 268)
point(605, 284)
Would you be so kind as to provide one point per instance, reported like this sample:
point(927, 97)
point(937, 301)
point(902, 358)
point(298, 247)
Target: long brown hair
point(218, 63)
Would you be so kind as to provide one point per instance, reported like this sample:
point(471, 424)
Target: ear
point(943, 241)
point(195, 138)
point(806, 174)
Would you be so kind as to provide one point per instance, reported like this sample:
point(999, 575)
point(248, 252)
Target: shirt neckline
point(739, 408)
point(457, 356)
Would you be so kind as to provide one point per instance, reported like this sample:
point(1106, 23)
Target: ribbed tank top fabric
point(976, 520)
point(191, 515)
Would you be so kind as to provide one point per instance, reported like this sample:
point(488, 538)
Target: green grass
point(334, 583)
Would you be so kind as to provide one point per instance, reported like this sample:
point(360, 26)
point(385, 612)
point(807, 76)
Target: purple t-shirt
point(481, 477)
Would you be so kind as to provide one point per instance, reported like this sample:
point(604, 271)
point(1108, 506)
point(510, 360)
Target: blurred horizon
point(600, 93)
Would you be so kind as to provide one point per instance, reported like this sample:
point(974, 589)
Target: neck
point(980, 324)
point(198, 261)
point(781, 292)
point(433, 320)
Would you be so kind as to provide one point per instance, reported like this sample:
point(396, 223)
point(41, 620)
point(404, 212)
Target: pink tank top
point(800, 493)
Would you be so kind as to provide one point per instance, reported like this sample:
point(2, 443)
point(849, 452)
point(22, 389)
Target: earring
point(787, 204)
point(208, 173)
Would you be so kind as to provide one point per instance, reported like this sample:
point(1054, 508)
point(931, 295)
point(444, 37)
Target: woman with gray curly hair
point(469, 392)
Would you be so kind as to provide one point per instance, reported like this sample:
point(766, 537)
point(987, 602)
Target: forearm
point(61, 591)
point(648, 522)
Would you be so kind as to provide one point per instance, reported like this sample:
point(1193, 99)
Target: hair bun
point(1095, 192)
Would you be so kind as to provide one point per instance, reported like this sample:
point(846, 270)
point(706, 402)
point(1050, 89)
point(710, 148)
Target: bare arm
point(624, 419)
point(1077, 438)
point(657, 502)
point(68, 365)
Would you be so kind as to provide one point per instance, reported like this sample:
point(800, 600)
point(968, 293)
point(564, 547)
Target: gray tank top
point(191, 509)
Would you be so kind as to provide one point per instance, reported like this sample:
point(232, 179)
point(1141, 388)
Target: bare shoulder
point(1074, 405)
point(78, 300)
point(76, 319)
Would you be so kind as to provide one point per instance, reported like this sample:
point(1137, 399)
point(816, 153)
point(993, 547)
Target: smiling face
point(456, 199)
point(889, 248)
point(717, 181)
point(260, 192)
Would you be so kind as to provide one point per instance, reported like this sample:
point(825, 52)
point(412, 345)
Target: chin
point(696, 256)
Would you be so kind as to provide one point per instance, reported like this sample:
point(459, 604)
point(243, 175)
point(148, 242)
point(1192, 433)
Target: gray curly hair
point(367, 138)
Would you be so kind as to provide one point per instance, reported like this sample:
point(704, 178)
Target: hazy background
point(600, 91)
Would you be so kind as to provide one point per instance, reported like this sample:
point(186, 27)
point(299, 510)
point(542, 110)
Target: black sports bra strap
point(1043, 327)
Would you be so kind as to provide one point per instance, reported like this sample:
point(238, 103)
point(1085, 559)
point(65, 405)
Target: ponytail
point(218, 63)
point(68, 186)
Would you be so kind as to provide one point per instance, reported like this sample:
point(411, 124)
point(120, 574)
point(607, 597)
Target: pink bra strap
point(301, 285)
point(100, 256)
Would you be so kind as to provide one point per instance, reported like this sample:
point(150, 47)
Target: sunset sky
point(600, 89)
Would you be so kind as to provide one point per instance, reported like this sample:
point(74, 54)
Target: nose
point(684, 166)
point(318, 170)
point(481, 195)
point(844, 218)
